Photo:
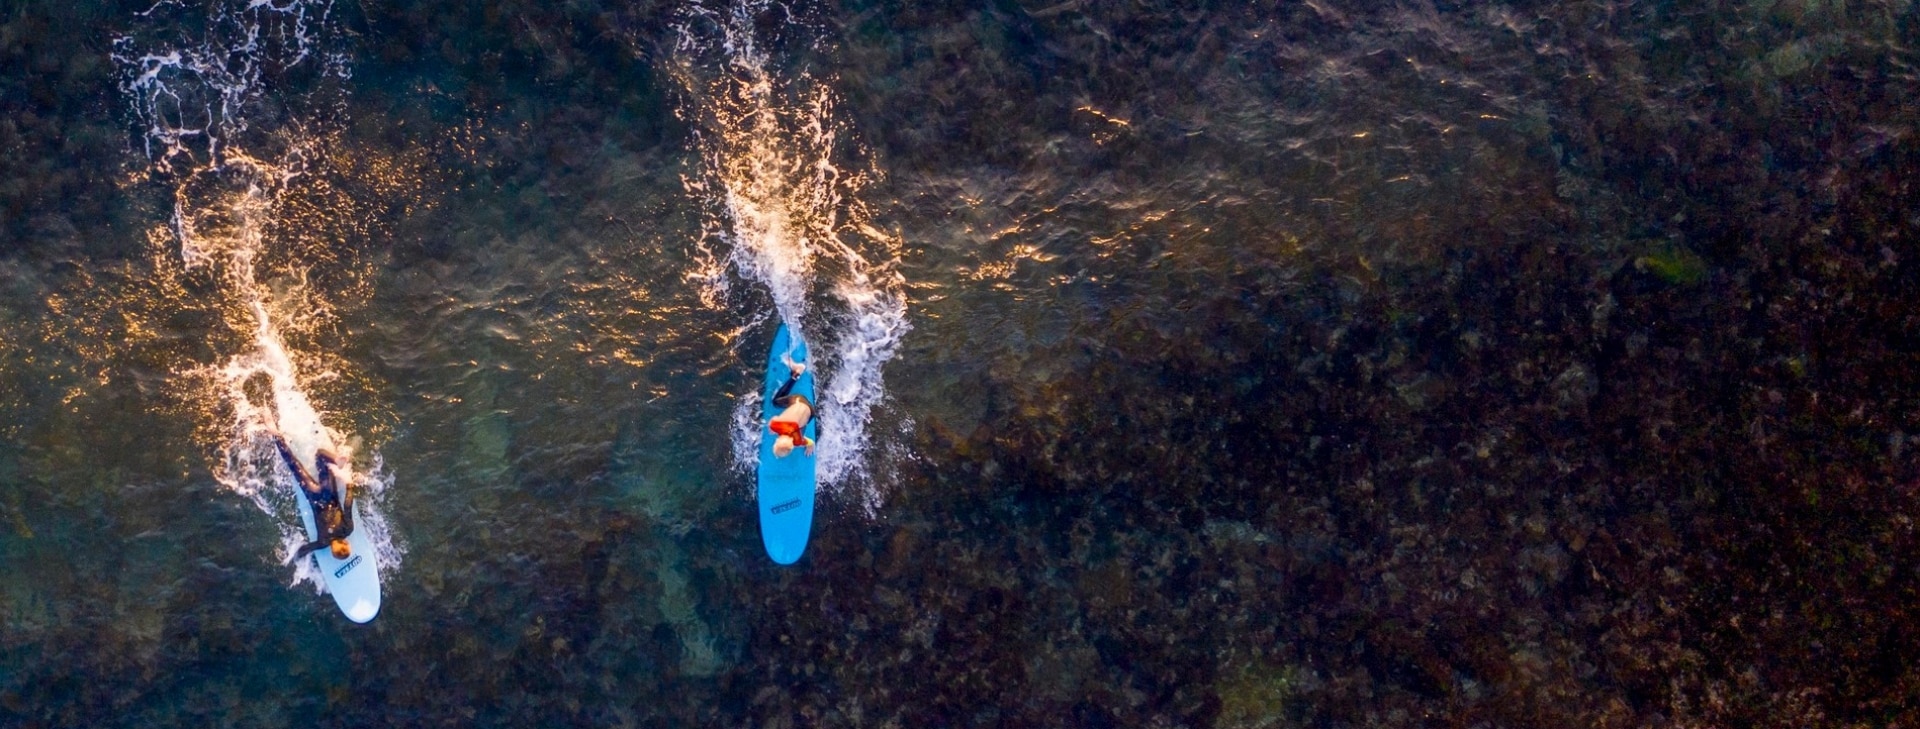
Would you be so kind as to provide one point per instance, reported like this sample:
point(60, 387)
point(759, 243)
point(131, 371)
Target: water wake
point(784, 214)
point(236, 194)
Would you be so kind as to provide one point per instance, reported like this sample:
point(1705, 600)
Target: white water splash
point(194, 101)
point(193, 97)
point(783, 214)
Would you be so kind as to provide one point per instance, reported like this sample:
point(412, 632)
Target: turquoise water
point(1190, 363)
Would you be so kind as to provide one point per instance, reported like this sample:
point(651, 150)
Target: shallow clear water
point(1187, 363)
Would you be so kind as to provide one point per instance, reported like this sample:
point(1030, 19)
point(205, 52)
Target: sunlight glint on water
point(193, 104)
point(783, 214)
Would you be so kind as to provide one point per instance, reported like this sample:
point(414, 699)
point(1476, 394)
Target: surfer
point(791, 424)
point(332, 501)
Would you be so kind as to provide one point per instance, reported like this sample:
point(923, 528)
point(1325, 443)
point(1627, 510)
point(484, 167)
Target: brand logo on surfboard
point(348, 567)
point(785, 506)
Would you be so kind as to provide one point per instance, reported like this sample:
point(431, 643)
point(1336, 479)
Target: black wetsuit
point(783, 399)
point(332, 509)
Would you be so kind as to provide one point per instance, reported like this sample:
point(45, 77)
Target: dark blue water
point(1198, 364)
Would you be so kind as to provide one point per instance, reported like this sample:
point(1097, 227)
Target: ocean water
point(1183, 363)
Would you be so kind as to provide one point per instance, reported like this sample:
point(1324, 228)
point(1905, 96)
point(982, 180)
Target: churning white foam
point(783, 214)
point(193, 100)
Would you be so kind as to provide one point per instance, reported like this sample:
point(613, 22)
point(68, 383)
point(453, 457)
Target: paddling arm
point(309, 548)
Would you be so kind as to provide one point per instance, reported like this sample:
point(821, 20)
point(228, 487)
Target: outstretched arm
point(309, 548)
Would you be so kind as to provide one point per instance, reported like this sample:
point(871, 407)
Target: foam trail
point(193, 101)
point(784, 215)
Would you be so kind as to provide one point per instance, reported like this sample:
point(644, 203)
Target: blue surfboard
point(786, 484)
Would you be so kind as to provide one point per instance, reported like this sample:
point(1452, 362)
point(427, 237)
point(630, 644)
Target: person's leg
point(786, 388)
point(300, 475)
point(286, 454)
